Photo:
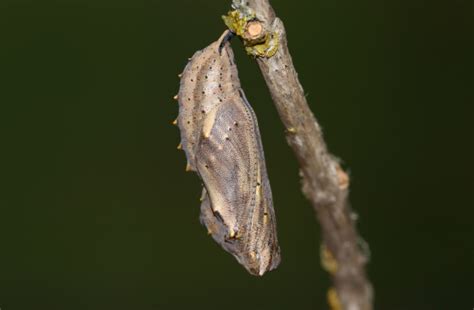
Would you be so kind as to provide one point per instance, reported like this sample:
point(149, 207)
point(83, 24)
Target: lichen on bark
point(264, 45)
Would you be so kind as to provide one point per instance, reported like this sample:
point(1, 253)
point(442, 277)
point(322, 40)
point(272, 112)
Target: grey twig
point(325, 184)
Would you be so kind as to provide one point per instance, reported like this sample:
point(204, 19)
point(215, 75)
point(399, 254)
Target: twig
point(325, 184)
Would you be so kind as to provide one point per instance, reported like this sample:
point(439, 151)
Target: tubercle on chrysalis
point(333, 299)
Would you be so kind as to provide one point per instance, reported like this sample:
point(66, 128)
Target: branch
point(324, 182)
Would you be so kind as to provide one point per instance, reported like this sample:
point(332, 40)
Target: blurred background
point(97, 212)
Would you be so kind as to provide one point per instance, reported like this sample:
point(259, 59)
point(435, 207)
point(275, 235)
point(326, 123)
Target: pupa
point(221, 140)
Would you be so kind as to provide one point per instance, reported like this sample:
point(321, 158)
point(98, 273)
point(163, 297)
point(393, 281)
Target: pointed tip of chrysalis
point(175, 122)
point(175, 97)
point(188, 167)
point(179, 147)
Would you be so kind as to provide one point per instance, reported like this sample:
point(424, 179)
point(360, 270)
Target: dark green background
point(98, 213)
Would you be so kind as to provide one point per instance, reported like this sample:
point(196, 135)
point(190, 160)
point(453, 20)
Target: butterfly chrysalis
point(221, 140)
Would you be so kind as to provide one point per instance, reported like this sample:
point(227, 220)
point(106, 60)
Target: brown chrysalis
point(221, 139)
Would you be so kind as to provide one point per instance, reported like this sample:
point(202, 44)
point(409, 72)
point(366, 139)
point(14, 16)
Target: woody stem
point(325, 184)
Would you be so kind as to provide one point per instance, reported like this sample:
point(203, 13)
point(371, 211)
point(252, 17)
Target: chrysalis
point(221, 139)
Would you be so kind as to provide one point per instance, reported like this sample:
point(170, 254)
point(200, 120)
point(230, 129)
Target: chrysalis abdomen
point(221, 139)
